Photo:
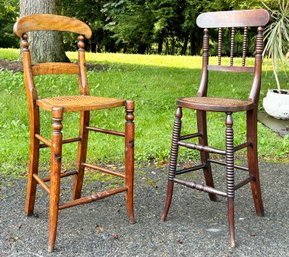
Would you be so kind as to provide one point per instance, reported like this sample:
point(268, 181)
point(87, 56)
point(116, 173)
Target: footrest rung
point(202, 148)
point(106, 131)
point(184, 137)
point(238, 167)
point(244, 182)
point(104, 170)
point(41, 182)
point(200, 187)
point(92, 198)
point(196, 167)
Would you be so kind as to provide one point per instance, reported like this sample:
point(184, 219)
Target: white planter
point(277, 105)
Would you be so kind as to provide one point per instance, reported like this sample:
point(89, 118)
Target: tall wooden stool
point(58, 106)
point(222, 21)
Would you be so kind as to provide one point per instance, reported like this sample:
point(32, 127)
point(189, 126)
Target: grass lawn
point(153, 82)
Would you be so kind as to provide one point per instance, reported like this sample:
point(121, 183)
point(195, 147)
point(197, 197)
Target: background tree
point(45, 46)
point(8, 13)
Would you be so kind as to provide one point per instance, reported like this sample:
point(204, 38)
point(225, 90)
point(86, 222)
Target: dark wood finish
point(215, 104)
point(58, 106)
point(229, 19)
point(220, 46)
point(233, 32)
point(230, 68)
point(173, 161)
point(245, 46)
point(202, 103)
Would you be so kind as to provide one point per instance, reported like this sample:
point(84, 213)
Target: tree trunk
point(45, 46)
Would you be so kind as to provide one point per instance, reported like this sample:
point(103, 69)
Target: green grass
point(153, 82)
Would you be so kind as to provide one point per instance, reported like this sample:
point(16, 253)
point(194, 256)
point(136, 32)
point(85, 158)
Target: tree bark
point(45, 46)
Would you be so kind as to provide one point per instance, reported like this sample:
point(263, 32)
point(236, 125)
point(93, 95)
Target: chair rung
point(41, 183)
point(92, 198)
point(244, 182)
point(202, 148)
point(241, 146)
point(104, 170)
point(196, 167)
point(106, 131)
point(200, 187)
point(62, 175)
point(224, 164)
point(46, 142)
point(190, 136)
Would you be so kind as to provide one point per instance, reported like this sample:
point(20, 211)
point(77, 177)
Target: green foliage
point(277, 37)
point(153, 82)
point(9, 10)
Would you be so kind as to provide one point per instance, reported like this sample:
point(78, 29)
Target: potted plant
point(276, 102)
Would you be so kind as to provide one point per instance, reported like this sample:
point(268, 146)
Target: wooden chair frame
point(202, 104)
point(84, 103)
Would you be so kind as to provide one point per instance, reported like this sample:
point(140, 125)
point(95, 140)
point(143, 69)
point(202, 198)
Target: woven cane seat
point(79, 103)
point(215, 104)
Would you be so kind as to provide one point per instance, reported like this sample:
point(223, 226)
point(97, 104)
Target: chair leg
point(55, 169)
point(33, 165)
point(252, 156)
point(81, 155)
point(230, 176)
point(203, 140)
point(173, 161)
point(129, 158)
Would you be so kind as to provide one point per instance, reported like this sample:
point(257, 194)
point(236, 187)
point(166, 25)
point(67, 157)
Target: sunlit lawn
point(153, 82)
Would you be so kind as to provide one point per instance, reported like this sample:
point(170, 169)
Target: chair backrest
point(233, 21)
point(50, 22)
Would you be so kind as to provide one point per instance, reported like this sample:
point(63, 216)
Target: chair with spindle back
point(58, 106)
point(202, 104)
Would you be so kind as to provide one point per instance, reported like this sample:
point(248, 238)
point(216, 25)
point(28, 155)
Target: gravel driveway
point(195, 226)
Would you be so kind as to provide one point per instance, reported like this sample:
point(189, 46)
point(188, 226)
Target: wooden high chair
point(222, 21)
point(58, 106)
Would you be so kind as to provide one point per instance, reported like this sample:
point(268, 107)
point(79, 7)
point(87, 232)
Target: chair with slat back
point(202, 103)
point(58, 106)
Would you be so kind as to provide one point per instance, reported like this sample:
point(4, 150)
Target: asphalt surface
point(195, 226)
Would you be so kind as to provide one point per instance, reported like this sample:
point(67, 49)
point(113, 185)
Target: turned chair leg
point(203, 140)
point(81, 155)
point(230, 176)
point(173, 161)
point(253, 165)
point(129, 158)
point(33, 169)
point(56, 155)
